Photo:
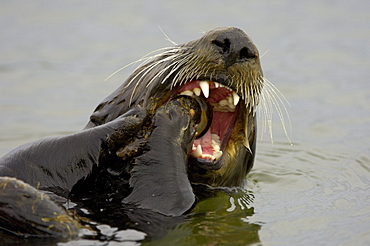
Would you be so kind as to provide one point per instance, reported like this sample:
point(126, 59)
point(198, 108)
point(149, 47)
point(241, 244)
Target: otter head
point(223, 68)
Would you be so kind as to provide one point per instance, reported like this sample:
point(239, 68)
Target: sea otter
point(184, 119)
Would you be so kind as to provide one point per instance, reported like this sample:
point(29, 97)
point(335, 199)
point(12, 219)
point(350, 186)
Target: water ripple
point(303, 192)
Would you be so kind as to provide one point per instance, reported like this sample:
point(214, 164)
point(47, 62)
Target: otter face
point(222, 67)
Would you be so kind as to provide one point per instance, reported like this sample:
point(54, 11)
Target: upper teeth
point(187, 93)
point(204, 87)
point(196, 91)
point(236, 98)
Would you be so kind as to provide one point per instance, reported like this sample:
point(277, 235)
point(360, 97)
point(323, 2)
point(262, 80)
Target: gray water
point(311, 187)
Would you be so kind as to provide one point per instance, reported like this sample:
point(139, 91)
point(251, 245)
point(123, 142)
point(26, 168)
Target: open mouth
point(210, 145)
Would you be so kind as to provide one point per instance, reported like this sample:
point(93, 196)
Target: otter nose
point(235, 47)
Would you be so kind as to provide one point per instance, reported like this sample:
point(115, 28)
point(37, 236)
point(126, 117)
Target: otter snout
point(234, 46)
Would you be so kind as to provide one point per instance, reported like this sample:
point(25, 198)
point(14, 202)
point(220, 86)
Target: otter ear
point(159, 178)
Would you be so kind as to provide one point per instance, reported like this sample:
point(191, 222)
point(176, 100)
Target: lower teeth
point(216, 153)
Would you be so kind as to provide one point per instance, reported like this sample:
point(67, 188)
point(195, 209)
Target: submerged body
point(184, 119)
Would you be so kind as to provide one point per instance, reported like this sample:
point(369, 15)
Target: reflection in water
point(222, 219)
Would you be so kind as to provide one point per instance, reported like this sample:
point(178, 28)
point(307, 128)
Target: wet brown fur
point(161, 76)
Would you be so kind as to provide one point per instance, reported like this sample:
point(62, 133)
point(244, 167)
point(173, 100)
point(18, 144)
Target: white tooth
point(205, 88)
point(215, 147)
point(230, 99)
point(217, 84)
point(187, 93)
point(196, 91)
point(198, 152)
point(214, 142)
point(236, 98)
point(217, 155)
point(208, 156)
point(223, 102)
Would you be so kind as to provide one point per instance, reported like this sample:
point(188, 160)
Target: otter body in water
point(185, 117)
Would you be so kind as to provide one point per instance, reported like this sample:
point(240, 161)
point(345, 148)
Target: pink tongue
point(220, 124)
point(205, 142)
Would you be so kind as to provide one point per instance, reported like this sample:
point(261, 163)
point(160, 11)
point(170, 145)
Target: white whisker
point(178, 65)
point(167, 38)
point(146, 58)
point(273, 98)
point(163, 71)
point(264, 54)
point(267, 113)
point(142, 75)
